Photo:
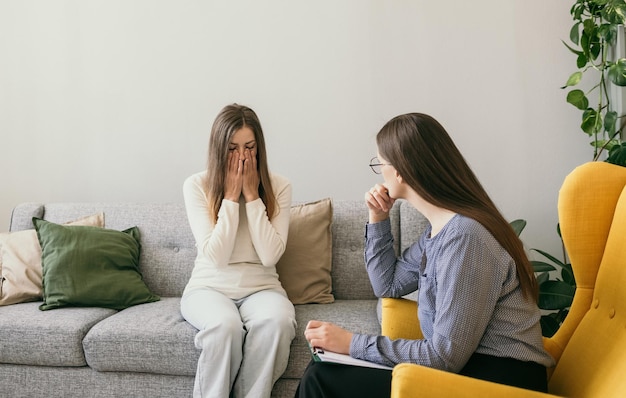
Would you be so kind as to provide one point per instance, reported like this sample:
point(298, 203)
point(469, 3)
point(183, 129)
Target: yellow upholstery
point(402, 322)
point(590, 346)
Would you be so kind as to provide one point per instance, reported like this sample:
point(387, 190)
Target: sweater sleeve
point(215, 240)
point(269, 237)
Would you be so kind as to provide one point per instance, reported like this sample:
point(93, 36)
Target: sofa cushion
point(90, 267)
point(167, 245)
point(304, 268)
point(20, 263)
point(23, 213)
point(29, 336)
point(20, 381)
point(151, 338)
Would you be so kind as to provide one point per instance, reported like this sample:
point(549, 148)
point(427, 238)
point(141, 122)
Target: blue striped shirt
point(469, 298)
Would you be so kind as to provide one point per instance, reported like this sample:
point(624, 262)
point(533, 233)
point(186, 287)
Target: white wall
point(113, 100)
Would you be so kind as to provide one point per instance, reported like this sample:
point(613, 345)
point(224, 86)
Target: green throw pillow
point(90, 267)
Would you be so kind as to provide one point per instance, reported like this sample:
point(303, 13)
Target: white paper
point(327, 356)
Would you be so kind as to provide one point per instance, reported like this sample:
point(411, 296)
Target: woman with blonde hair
point(477, 291)
point(239, 215)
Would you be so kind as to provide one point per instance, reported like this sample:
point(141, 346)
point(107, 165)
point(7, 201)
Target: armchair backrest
point(590, 346)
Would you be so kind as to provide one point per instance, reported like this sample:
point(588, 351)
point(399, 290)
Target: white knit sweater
point(237, 255)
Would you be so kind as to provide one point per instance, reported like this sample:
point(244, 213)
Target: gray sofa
point(148, 350)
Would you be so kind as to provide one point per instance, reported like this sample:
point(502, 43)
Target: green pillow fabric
point(90, 267)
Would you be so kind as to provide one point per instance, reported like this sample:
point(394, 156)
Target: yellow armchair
point(590, 346)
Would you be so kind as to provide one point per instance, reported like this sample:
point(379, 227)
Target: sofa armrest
point(399, 319)
point(416, 381)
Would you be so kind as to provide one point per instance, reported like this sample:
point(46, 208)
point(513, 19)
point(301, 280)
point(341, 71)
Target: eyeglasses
point(376, 166)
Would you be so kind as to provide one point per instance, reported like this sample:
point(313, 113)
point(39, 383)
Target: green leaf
point(589, 27)
point(617, 154)
point(540, 266)
point(549, 257)
point(574, 79)
point(577, 10)
point(610, 144)
point(560, 315)
point(614, 12)
point(577, 52)
point(610, 122)
point(590, 39)
point(578, 99)
point(594, 7)
point(582, 60)
point(595, 50)
point(608, 32)
point(567, 274)
point(551, 322)
point(617, 72)
point(592, 121)
point(585, 43)
point(549, 325)
point(554, 295)
point(598, 143)
point(574, 33)
point(518, 226)
point(541, 278)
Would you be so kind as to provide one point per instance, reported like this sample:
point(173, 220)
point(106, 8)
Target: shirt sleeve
point(215, 240)
point(269, 237)
point(390, 276)
point(467, 287)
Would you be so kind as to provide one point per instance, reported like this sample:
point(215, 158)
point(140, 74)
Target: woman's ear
point(398, 177)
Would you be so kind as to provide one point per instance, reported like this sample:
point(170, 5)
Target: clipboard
point(320, 355)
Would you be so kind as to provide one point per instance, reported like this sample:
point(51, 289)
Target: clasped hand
point(242, 177)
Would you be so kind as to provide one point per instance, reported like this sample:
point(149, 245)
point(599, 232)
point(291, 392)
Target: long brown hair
point(230, 120)
point(425, 156)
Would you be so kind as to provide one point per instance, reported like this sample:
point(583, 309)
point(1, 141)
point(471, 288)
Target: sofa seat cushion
point(357, 316)
point(149, 338)
point(29, 336)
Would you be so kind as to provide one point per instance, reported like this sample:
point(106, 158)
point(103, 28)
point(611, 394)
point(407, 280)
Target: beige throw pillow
point(20, 263)
point(304, 268)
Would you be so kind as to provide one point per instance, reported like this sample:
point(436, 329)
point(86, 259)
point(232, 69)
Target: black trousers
point(331, 380)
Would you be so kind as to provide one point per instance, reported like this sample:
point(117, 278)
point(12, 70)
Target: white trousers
point(245, 343)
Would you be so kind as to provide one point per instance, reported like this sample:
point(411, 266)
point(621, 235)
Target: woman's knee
point(228, 329)
point(273, 326)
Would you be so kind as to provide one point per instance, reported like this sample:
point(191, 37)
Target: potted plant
point(556, 285)
point(556, 293)
point(594, 36)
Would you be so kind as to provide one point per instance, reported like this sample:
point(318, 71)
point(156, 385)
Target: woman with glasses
point(239, 215)
point(477, 291)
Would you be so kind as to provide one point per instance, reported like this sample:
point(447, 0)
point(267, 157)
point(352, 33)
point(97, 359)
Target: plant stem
point(603, 148)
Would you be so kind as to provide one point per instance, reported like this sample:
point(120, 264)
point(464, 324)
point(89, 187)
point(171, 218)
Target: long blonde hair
point(230, 120)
